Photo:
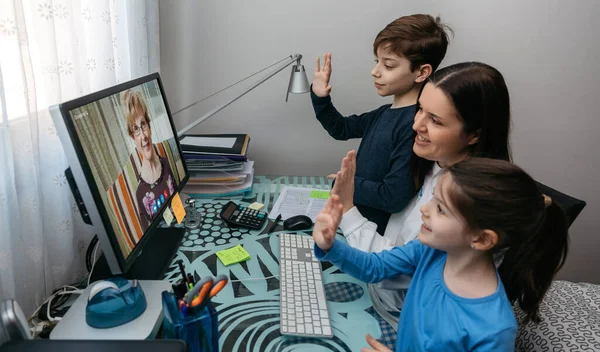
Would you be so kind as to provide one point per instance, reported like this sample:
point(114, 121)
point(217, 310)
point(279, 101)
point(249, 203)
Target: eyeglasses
point(137, 130)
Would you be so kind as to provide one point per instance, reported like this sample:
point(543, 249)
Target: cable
point(73, 290)
point(55, 319)
point(231, 85)
point(93, 262)
point(88, 253)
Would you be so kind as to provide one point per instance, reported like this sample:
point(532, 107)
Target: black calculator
point(237, 216)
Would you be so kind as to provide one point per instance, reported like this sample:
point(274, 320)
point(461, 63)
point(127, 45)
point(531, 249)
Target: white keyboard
point(302, 296)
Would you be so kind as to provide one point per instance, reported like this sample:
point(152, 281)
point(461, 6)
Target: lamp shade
point(298, 81)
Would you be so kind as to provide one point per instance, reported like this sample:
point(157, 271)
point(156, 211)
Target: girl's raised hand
point(327, 223)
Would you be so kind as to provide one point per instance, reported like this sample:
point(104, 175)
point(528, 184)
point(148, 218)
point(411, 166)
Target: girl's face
point(443, 228)
point(440, 135)
point(142, 136)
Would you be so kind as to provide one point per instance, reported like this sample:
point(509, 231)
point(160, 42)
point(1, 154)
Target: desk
point(249, 308)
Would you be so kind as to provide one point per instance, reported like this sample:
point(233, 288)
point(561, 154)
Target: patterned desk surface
point(249, 306)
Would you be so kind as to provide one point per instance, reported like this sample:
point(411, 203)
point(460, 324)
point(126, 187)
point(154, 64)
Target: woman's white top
point(402, 228)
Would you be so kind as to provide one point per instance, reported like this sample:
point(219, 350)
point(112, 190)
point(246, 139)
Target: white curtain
point(52, 51)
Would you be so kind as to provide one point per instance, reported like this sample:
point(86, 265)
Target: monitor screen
point(127, 145)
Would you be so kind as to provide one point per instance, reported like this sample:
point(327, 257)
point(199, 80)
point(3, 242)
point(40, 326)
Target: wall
point(547, 51)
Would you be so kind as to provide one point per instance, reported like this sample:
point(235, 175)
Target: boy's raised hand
point(320, 85)
point(327, 223)
point(344, 181)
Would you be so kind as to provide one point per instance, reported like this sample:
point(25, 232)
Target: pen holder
point(199, 328)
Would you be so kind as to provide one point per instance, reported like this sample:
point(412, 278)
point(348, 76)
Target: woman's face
point(440, 135)
point(142, 136)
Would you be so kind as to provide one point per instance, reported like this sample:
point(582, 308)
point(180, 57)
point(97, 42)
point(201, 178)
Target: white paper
point(294, 201)
point(212, 142)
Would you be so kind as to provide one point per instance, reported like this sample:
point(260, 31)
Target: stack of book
point(217, 164)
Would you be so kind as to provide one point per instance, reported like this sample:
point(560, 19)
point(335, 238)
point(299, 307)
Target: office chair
point(571, 206)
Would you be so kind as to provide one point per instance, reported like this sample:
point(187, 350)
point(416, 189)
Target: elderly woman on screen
point(156, 180)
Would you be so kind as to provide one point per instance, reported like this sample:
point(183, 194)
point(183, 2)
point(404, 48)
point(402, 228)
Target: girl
point(481, 210)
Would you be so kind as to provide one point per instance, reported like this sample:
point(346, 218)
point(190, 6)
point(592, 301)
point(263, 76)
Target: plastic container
point(198, 328)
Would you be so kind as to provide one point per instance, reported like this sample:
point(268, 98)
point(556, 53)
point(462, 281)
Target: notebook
point(215, 144)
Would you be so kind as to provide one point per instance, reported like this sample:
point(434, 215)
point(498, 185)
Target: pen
point(183, 274)
point(274, 224)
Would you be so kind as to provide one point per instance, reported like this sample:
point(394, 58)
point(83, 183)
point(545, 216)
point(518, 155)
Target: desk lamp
point(298, 84)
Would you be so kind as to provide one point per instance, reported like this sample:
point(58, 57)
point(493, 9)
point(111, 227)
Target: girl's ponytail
point(528, 266)
point(532, 230)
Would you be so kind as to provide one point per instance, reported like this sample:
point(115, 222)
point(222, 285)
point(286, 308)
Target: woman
point(156, 180)
point(464, 111)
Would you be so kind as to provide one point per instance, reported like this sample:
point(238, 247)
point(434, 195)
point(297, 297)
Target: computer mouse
point(298, 222)
point(114, 302)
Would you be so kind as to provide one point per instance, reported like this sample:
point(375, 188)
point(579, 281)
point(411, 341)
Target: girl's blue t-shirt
point(432, 318)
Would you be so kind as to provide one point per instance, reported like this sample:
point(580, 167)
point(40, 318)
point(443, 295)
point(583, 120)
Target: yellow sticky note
point(233, 255)
point(168, 216)
point(178, 208)
point(319, 194)
point(256, 206)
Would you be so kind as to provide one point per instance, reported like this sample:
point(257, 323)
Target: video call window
point(133, 155)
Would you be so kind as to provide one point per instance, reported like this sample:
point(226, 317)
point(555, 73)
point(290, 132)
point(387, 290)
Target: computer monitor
point(126, 166)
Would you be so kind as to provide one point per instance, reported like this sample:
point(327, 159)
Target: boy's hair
point(134, 105)
point(532, 230)
point(480, 97)
point(421, 39)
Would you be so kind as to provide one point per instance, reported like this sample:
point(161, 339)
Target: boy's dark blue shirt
point(383, 181)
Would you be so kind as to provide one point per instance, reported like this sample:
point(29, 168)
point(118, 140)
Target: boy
point(407, 51)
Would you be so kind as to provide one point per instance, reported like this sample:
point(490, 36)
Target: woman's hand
point(344, 181)
point(376, 346)
point(320, 84)
point(327, 223)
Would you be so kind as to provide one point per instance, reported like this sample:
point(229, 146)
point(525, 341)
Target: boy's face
point(392, 73)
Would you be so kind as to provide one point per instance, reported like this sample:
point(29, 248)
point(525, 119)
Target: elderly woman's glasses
point(139, 129)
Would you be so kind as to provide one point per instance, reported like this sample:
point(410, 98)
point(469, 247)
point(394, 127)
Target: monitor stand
point(152, 263)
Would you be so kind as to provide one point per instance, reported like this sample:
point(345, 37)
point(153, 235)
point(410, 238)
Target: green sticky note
point(233, 255)
point(319, 194)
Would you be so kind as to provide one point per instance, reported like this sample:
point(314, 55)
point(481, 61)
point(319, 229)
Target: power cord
point(51, 311)
point(93, 263)
point(88, 253)
point(63, 311)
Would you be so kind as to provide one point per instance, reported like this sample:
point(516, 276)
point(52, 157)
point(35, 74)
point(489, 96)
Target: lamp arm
point(290, 60)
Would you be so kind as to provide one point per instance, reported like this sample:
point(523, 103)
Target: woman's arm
point(360, 233)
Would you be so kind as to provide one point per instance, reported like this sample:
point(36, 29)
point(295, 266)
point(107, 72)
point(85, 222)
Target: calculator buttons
point(242, 216)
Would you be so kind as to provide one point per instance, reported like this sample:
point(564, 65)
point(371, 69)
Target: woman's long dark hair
point(532, 230)
point(480, 97)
